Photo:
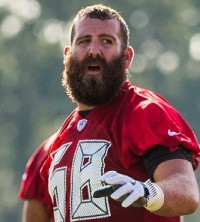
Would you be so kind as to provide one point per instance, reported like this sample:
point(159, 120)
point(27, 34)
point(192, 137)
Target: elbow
point(195, 204)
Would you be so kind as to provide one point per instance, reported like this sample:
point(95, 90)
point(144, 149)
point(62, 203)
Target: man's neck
point(83, 107)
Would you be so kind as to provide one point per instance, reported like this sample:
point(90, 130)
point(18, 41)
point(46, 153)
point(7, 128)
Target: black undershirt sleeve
point(159, 154)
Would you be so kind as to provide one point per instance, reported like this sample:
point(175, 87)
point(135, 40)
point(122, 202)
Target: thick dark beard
point(93, 90)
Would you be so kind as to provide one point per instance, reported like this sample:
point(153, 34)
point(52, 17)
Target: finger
point(123, 190)
point(131, 198)
point(107, 175)
point(117, 179)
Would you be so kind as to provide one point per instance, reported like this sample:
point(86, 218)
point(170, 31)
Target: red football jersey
point(32, 185)
point(111, 137)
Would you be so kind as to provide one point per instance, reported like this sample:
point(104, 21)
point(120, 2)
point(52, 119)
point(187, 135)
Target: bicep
point(159, 154)
point(172, 168)
point(34, 210)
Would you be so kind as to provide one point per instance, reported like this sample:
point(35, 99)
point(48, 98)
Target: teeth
point(93, 65)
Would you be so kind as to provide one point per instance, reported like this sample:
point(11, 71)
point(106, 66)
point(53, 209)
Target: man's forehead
point(94, 25)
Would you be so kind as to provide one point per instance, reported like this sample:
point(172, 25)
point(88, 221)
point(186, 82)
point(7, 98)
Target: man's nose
point(94, 49)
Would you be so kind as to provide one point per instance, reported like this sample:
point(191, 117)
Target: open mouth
point(94, 68)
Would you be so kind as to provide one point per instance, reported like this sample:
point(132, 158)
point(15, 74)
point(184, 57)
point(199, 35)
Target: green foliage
point(33, 103)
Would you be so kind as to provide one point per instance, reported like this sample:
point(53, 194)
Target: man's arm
point(177, 180)
point(34, 210)
point(174, 193)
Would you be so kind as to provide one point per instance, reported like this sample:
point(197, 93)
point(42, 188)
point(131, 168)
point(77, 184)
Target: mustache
point(91, 59)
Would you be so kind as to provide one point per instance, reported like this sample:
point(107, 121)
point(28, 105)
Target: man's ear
point(129, 54)
point(66, 50)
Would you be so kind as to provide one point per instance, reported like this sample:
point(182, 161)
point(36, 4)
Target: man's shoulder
point(137, 96)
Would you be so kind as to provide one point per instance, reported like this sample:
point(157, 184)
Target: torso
point(85, 150)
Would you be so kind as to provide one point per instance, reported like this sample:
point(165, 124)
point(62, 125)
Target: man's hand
point(126, 189)
point(131, 192)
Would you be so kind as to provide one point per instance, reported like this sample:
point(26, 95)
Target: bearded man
point(124, 154)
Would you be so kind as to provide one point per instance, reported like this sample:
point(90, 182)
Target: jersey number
point(88, 166)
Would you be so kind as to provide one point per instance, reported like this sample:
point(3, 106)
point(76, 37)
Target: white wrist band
point(155, 198)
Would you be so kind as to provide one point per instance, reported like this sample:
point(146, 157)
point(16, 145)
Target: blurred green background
point(166, 38)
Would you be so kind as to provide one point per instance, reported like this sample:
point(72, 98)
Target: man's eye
point(83, 41)
point(107, 41)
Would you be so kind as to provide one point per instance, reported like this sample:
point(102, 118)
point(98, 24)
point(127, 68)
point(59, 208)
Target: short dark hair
point(102, 12)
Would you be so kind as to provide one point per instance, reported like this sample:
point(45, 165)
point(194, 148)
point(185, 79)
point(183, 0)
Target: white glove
point(133, 192)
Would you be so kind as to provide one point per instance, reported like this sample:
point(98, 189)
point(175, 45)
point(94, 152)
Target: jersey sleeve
point(156, 122)
point(32, 185)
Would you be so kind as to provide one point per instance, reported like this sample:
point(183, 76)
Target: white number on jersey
point(87, 167)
